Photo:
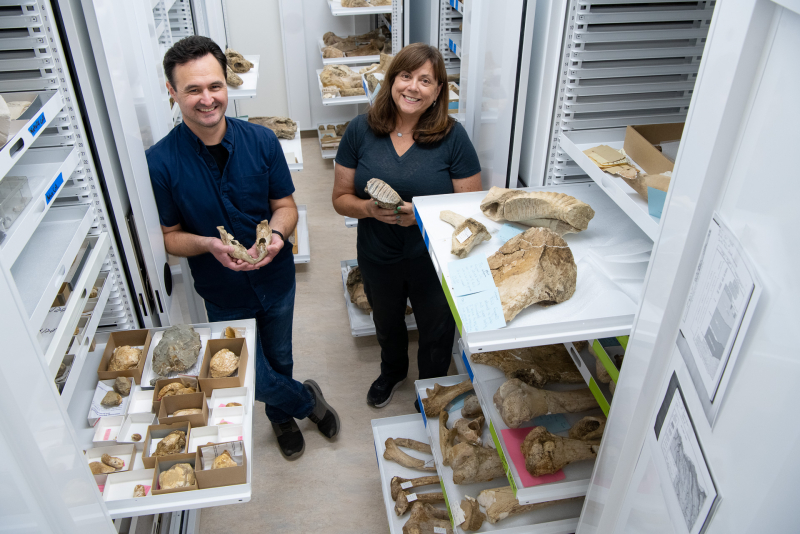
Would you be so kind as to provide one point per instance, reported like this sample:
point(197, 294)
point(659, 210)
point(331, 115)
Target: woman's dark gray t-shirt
point(422, 170)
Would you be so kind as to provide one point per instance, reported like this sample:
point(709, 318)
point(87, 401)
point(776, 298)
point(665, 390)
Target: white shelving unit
point(303, 245)
point(356, 60)
point(338, 11)
point(293, 147)
point(250, 79)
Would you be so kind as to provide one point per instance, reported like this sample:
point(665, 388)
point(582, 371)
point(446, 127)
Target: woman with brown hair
point(408, 140)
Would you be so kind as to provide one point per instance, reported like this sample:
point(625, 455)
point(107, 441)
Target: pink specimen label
point(146, 490)
point(107, 434)
point(224, 422)
point(240, 438)
point(101, 487)
point(514, 438)
point(221, 406)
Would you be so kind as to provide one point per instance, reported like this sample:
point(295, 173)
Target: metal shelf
point(303, 245)
point(250, 79)
point(357, 60)
point(454, 44)
point(338, 11)
point(293, 146)
point(340, 100)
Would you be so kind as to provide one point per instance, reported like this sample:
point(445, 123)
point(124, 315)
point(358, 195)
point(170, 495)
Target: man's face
point(201, 91)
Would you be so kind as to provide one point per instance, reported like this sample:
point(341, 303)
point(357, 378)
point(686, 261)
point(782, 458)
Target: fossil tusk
point(470, 431)
point(401, 505)
point(394, 453)
point(518, 402)
point(397, 484)
point(546, 453)
point(425, 518)
point(588, 428)
point(466, 234)
point(440, 396)
point(501, 504)
point(474, 518)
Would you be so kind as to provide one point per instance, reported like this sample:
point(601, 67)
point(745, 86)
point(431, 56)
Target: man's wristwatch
point(280, 234)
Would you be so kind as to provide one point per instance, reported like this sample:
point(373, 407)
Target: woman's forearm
point(350, 205)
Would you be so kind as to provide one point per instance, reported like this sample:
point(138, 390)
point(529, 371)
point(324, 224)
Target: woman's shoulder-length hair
point(435, 123)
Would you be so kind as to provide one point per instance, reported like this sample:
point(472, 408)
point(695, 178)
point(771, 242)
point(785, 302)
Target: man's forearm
point(184, 244)
point(284, 220)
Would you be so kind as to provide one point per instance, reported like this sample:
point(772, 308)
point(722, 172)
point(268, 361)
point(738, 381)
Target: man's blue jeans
point(285, 398)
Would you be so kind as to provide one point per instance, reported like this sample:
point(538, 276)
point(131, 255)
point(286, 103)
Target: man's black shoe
point(381, 391)
point(290, 439)
point(323, 415)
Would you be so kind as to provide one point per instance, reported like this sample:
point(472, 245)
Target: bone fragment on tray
point(473, 517)
point(173, 443)
point(472, 407)
point(124, 358)
point(518, 402)
point(112, 398)
point(223, 460)
point(469, 430)
point(99, 468)
point(187, 411)
point(223, 363)
point(546, 453)
point(425, 519)
point(383, 194)
point(398, 484)
point(394, 453)
point(402, 504)
point(136, 437)
point(177, 476)
point(470, 463)
point(467, 233)
point(440, 396)
point(112, 461)
point(544, 209)
point(500, 504)
point(536, 366)
point(175, 388)
point(139, 491)
point(122, 385)
point(589, 428)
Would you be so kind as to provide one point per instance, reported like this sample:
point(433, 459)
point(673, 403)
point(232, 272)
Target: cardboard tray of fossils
point(607, 288)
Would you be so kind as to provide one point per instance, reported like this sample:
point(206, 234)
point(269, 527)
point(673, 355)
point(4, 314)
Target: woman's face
point(414, 92)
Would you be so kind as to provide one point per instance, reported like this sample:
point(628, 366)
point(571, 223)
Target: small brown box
point(640, 141)
point(181, 402)
point(164, 463)
point(166, 381)
point(161, 431)
point(62, 296)
point(134, 338)
point(237, 346)
point(214, 478)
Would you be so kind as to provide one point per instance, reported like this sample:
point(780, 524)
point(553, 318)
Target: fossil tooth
point(518, 402)
point(177, 476)
point(223, 363)
point(467, 233)
point(380, 191)
point(223, 460)
point(99, 468)
point(122, 385)
point(136, 437)
point(546, 453)
point(139, 491)
point(112, 461)
point(187, 411)
point(173, 443)
point(112, 398)
point(124, 358)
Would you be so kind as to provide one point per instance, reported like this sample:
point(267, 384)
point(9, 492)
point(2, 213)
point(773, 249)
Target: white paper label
point(406, 485)
point(464, 235)
point(412, 497)
point(439, 530)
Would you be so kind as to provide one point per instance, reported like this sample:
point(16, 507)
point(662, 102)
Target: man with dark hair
point(211, 171)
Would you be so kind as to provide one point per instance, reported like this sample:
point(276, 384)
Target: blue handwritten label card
point(507, 232)
point(470, 275)
point(481, 311)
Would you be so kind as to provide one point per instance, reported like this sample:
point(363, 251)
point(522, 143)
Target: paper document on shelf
point(508, 231)
point(481, 311)
point(470, 275)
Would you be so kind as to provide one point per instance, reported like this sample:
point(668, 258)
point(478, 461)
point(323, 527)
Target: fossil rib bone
point(589, 428)
point(518, 402)
point(538, 208)
point(394, 453)
point(425, 518)
point(401, 506)
point(440, 396)
point(546, 453)
point(472, 407)
point(501, 504)
point(536, 366)
point(469, 431)
point(383, 194)
point(474, 518)
point(474, 231)
point(398, 482)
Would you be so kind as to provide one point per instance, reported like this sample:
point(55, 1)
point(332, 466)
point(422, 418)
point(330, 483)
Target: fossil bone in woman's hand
point(383, 194)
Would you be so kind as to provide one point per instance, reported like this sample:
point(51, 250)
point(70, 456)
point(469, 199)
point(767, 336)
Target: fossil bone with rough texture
point(223, 460)
point(283, 127)
point(518, 402)
point(263, 239)
point(233, 79)
point(124, 358)
point(383, 194)
point(175, 388)
point(472, 407)
point(373, 48)
point(466, 234)
point(99, 468)
point(122, 385)
point(139, 491)
point(187, 411)
point(536, 366)
point(546, 453)
point(340, 76)
point(470, 463)
point(469, 431)
point(401, 505)
point(440, 396)
point(394, 453)
point(223, 363)
point(330, 92)
point(352, 91)
point(136, 437)
point(173, 443)
point(474, 518)
point(237, 62)
point(398, 483)
point(589, 428)
point(231, 333)
point(177, 351)
point(355, 3)
point(538, 208)
point(500, 504)
point(425, 519)
point(177, 476)
point(230, 404)
point(535, 266)
point(112, 461)
point(112, 398)
point(380, 2)
point(355, 288)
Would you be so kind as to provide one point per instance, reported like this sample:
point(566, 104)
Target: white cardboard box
point(107, 429)
point(214, 434)
point(97, 410)
point(125, 453)
point(135, 423)
point(220, 397)
point(141, 401)
point(120, 485)
point(227, 416)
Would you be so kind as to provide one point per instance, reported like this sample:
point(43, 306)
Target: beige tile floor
point(335, 486)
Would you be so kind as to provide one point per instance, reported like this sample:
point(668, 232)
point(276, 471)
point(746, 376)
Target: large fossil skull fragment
point(440, 396)
point(470, 463)
point(124, 358)
point(112, 461)
point(394, 453)
point(177, 350)
point(112, 398)
point(536, 366)
point(223, 363)
point(500, 504)
point(472, 407)
point(99, 468)
point(518, 402)
point(177, 476)
point(589, 428)
point(122, 385)
point(223, 460)
point(355, 288)
point(399, 484)
point(173, 443)
point(474, 518)
point(233, 79)
point(533, 267)
point(467, 233)
point(237, 62)
point(284, 127)
point(469, 431)
point(538, 208)
point(401, 505)
point(425, 519)
point(383, 194)
point(546, 453)
point(340, 76)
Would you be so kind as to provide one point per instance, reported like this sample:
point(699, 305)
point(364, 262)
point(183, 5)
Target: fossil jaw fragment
point(536, 366)
point(472, 407)
point(223, 363)
point(399, 484)
point(383, 194)
point(112, 461)
point(440, 396)
point(223, 460)
point(425, 519)
point(467, 233)
point(394, 453)
point(533, 267)
point(518, 402)
point(589, 428)
point(538, 208)
point(474, 518)
point(546, 453)
point(263, 239)
point(401, 506)
point(500, 504)
point(469, 431)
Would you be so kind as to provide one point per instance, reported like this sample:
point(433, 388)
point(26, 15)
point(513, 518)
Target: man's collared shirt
point(191, 191)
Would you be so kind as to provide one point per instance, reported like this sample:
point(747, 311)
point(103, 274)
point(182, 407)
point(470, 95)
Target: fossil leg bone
point(473, 464)
point(472, 407)
point(588, 428)
point(501, 504)
point(401, 506)
point(394, 453)
point(425, 518)
point(397, 483)
point(470, 431)
point(518, 402)
point(440, 396)
point(472, 512)
point(546, 453)
point(446, 437)
point(466, 234)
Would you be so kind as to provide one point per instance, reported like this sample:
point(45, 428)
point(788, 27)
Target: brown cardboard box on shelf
point(163, 464)
point(62, 296)
point(640, 144)
point(126, 453)
point(134, 338)
point(227, 476)
point(185, 380)
point(160, 432)
point(239, 347)
point(170, 405)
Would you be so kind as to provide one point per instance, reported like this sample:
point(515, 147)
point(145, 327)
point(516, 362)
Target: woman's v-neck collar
point(393, 150)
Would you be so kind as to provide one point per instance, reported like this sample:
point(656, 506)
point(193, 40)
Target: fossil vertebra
point(383, 194)
point(237, 62)
point(175, 388)
point(537, 208)
point(187, 411)
point(177, 351)
point(122, 385)
point(177, 476)
point(394, 453)
point(223, 363)
point(139, 491)
point(474, 518)
point(467, 233)
point(425, 519)
point(284, 127)
point(401, 505)
point(112, 398)
point(533, 267)
point(500, 503)
point(112, 461)
point(536, 366)
point(518, 402)
point(470, 463)
point(232, 78)
point(440, 396)
point(355, 288)
point(589, 428)
point(472, 407)
point(223, 460)
point(397, 484)
point(469, 431)
point(173, 443)
point(136, 437)
point(546, 453)
point(99, 468)
point(124, 358)
point(263, 239)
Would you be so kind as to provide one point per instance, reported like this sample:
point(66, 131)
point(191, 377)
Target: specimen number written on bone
point(284, 127)
point(177, 476)
point(470, 463)
point(469, 431)
point(473, 517)
point(173, 443)
point(440, 396)
point(546, 453)
point(538, 208)
point(536, 366)
point(394, 453)
point(533, 267)
point(223, 363)
point(466, 234)
point(518, 402)
point(500, 504)
point(589, 428)
point(383, 194)
point(124, 358)
point(402, 504)
point(177, 351)
point(399, 484)
point(425, 519)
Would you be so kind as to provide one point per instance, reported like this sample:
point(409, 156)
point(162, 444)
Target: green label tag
point(599, 397)
point(623, 340)
point(613, 372)
point(503, 460)
point(452, 304)
point(447, 503)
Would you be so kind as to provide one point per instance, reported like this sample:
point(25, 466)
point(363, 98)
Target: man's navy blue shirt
point(190, 191)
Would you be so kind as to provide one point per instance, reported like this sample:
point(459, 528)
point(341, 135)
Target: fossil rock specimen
point(440, 396)
point(353, 91)
point(232, 78)
point(223, 363)
point(470, 463)
point(136, 437)
point(124, 358)
point(467, 233)
point(372, 82)
point(355, 3)
point(501, 504)
point(399, 484)
point(381, 192)
point(177, 476)
point(536, 366)
point(340, 76)
point(538, 208)
point(173, 443)
point(472, 407)
point(187, 411)
point(231, 333)
point(177, 351)
point(469, 431)
point(112, 398)
point(474, 518)
point(355, 288)
point(99, 468)
point(223, 460)
point(284, 127)
point(394, 453)
point(112, 461)
point(93, 293)
point(401, 506)
point(139, 491)
point(237, 62)
point(589, 428)
point(518, 402)
point(546, 453)
point(122, 385)
point(425, 518)
point(231, 404)
point(340, 129)
point(175, 388)
point(331, 52)
point(535, 266)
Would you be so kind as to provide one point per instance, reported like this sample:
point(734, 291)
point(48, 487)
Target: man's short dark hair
point(191, 48)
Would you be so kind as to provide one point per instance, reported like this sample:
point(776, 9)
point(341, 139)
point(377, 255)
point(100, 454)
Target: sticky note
point(507, 232)
point(481, 311)
point(655, 201)
point(470, 275)
point(464, 235)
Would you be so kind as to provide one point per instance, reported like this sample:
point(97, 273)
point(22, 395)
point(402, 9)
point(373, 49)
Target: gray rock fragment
point(177, 351)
